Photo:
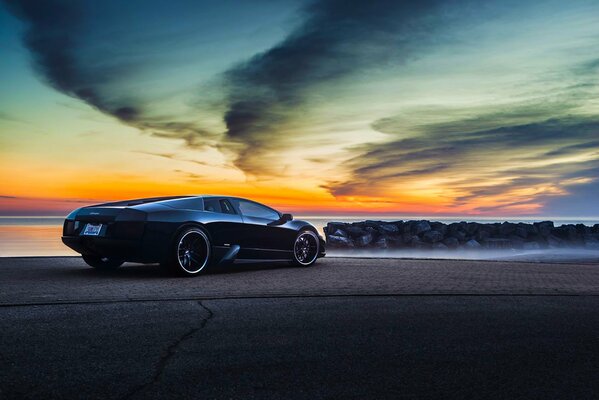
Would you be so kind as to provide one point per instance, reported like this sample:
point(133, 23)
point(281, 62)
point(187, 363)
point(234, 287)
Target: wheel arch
point(307, 227)
point(188, 225)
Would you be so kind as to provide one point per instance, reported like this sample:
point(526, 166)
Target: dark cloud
point(574, 148)
point(472, 119)
point(190, 176)
point(336, 39)
point(170, 156)
point(71, 61)
point(53, 30)
point(468, 157)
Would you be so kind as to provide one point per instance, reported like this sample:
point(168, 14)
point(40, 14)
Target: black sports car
point(188, 233)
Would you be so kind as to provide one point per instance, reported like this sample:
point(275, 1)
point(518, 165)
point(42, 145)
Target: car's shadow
point(140, 271)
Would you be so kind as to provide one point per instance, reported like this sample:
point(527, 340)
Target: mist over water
point(40, 236)
point(561, 255)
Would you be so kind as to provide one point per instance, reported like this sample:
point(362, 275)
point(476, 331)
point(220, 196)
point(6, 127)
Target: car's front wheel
point(103, 263)
point(190, 254)
point(305, 248)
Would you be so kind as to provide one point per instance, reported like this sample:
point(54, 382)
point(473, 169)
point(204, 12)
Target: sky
point(314, 107)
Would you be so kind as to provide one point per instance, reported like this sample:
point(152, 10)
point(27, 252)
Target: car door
point(222, 221)
point(260, 237)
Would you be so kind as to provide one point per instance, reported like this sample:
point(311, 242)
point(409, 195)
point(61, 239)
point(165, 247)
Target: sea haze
point(40, 236)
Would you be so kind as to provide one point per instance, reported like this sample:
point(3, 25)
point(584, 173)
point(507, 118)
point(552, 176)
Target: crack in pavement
point(168, 353)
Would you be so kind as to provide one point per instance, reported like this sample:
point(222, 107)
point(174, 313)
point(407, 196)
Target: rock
point(459, 235)
point(439, 246)
point(371, 223)
point(354, 231)
point(521, 231)
point(333, 226)
point(439, 227)
point(371, 229)
point(421, 227)
point(535, 237)
point(507, 228)
point(455, 226)
point(425, 235)
point(382, 243)
point(364, 240)
point(339, 232)
point(451, 242)
point(472, 244)
point(339, 241)
point(554, 241)
point(482, 234)
point(544, 228)
point(394, 242)
point(407, 237)
point(583, 229)
point(414, 239)
point(388, 228)
point(567, 232)
point(432, 236)
point(416, 243)
point(472, 228)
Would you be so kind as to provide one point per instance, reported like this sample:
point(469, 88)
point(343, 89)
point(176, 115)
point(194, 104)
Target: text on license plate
point(92, 229)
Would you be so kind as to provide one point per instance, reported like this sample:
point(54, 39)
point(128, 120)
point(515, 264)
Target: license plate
point(92, 229)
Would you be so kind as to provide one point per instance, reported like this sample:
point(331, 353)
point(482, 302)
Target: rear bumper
point(130, 250)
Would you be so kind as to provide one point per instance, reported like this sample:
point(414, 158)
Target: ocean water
point(40, 236)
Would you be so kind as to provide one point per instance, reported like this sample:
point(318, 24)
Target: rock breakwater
point(433, 235)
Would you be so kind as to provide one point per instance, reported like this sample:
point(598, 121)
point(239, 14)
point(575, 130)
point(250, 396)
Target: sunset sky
point(344, 107)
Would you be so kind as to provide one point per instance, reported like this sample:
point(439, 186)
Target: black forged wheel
point(104, 263)
point(305, 248)
point(190, 254)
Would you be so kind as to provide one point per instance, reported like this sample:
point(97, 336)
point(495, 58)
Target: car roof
point(207, 196)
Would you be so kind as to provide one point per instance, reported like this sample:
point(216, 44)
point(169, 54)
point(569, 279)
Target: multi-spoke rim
point(193, 251)
point(306, 248)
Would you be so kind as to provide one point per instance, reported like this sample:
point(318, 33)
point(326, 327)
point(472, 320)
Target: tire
point(190, 253)
point(102, 263)
point(306, 248)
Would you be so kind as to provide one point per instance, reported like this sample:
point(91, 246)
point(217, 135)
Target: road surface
point(346, 328)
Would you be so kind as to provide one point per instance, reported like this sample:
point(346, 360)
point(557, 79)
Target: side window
point(186, 204)
point(212, 205)
point(256, 210)
point(227, 207)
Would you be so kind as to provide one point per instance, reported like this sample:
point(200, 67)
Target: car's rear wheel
point(191, 252)
point(305, 248)
point(103, 263)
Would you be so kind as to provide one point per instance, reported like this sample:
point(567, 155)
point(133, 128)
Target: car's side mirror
point(286, 217)
point(283, 219)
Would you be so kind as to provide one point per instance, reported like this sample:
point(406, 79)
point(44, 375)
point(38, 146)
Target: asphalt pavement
point(346, 328)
